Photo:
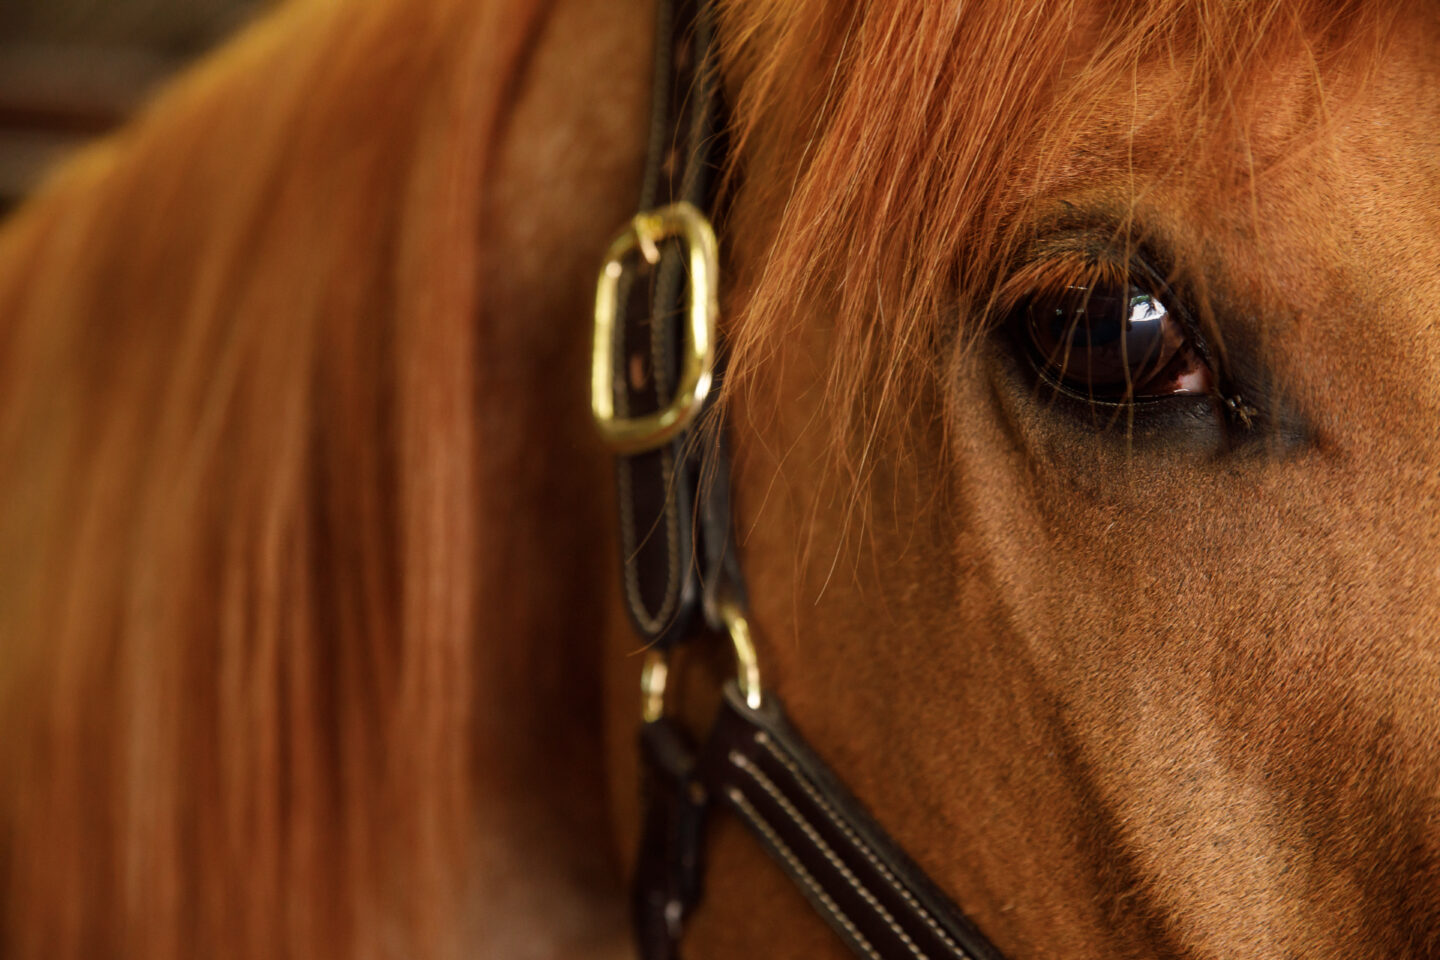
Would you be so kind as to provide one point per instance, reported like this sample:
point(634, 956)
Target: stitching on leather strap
point(758, 821)
point(657, 623)
point(755, 773)
point(860, 844)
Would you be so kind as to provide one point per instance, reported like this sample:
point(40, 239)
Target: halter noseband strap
point(654, 374)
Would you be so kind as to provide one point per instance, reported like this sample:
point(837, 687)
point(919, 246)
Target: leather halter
point(654, 377)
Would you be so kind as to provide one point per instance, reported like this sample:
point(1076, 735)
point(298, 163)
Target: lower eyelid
point(1055, 421)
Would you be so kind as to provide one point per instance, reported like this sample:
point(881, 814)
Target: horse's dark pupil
point(1106, 343)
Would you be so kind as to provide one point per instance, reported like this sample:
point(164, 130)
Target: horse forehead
point(1334, 240)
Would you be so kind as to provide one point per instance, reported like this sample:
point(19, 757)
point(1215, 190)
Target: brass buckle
point(644, 234)
point(656, 672)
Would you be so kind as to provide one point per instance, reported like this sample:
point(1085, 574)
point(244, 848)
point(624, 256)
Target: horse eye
point(1111, 342)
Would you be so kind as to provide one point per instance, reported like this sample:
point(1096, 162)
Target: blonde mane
point(237, 460)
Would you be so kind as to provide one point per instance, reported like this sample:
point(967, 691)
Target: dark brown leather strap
point(670, 867)
point(757, 766)
point(658, 489)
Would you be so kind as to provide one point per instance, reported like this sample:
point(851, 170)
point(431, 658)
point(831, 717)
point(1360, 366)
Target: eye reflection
point(1146, 310)
point(1112, 342)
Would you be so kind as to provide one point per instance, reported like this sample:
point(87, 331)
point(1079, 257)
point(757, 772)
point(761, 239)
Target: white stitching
point(755, 773)
point(758, 821)
point(764, 741)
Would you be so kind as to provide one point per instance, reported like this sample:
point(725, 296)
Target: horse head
point(1085, 462)
point(1081, 387)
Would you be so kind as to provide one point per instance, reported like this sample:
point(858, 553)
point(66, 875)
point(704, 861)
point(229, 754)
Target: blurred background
point(72, 69)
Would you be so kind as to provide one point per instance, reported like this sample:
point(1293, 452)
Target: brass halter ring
point(644, 234)
point(656, 672)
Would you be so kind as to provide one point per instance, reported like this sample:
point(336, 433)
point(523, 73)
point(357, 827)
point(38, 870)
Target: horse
point(1081, 384)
